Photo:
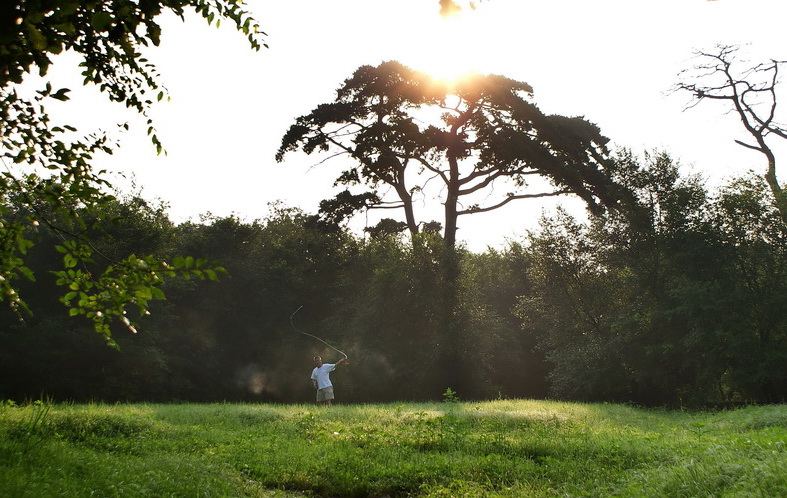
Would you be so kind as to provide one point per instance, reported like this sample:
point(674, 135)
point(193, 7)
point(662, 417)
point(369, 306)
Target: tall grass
point(498, 448)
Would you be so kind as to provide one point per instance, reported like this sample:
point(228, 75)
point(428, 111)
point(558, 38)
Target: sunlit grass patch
point(501, 448)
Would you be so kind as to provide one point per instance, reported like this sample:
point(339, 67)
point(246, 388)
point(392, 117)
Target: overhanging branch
point(512, 198)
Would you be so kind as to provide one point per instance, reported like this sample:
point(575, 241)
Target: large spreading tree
point(480, 138)
point(475, 145)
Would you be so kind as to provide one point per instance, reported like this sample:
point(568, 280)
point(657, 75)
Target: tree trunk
point(451, 201)
point(409, 212)
point(778, 194)
point(453, 357)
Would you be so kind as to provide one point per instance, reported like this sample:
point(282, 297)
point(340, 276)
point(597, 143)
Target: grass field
point(497, 448)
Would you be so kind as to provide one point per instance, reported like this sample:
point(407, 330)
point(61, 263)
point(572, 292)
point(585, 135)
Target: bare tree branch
point(748, 146)
point(751, 94)
point(512, 197)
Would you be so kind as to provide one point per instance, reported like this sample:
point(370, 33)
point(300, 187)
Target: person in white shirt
point(321, 379)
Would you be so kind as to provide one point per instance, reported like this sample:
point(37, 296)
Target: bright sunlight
point(451, 46)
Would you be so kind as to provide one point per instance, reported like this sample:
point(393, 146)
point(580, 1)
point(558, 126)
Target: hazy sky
point(611, 61)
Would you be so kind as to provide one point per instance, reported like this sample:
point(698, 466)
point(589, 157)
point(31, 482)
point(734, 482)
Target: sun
point(451, 46)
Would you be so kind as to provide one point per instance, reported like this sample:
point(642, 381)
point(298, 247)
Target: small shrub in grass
point(450, 396)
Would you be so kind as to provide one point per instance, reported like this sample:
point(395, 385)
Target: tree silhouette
point(481, 139)
point(750, 91)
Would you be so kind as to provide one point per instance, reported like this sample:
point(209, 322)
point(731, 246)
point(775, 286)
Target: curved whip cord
point(314, 336)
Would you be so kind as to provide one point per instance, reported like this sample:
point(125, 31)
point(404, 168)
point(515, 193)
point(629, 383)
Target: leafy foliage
point(652, 307)
point(48, 181)
point(677, 301)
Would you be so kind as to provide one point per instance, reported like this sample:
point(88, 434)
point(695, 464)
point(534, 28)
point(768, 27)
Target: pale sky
point(611, 61)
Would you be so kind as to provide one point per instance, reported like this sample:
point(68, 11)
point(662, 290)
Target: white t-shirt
point(322, 375)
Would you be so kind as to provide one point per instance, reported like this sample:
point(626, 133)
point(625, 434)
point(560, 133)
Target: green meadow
point(500, 448)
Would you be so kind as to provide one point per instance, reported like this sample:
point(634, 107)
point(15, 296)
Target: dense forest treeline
point(680, 298)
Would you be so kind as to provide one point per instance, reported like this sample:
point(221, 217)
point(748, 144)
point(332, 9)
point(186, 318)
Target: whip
point(314, 336)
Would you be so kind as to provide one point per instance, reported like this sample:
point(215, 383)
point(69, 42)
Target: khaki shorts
point(325, 393)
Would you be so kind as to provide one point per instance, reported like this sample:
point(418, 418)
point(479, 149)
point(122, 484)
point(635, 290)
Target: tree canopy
point(48, 178)
point(481, 139)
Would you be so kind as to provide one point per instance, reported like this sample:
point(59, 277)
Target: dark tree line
point(676, 296)
point(681, 301)
point(678, 299)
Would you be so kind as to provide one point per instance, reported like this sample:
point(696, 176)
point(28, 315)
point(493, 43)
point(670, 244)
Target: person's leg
point(329, 396)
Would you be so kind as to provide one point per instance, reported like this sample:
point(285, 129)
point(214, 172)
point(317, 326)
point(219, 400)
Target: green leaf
point(61, 94)
point(37, 39)
point(143, 293)
point(27, 273)
point(67, 28)
point(101, 21)
point(68, 8)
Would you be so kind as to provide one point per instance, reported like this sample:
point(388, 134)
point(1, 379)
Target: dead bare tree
point(750, 90)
